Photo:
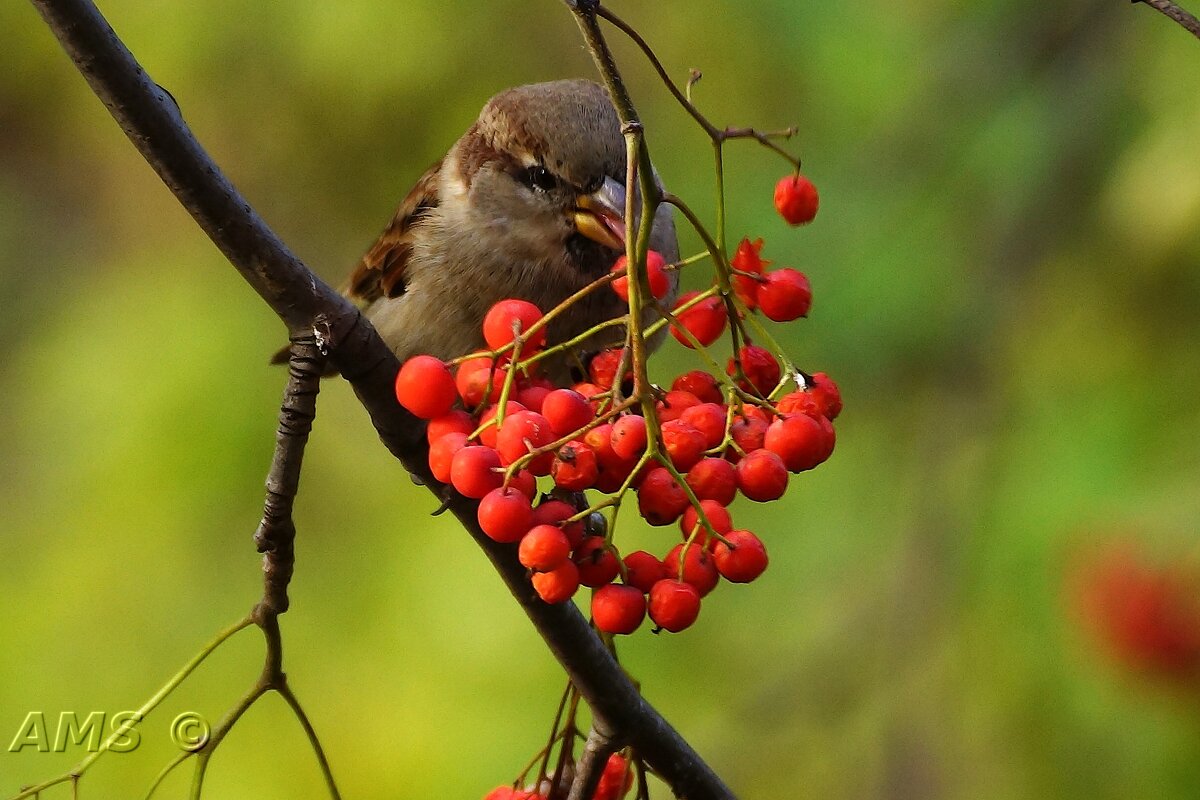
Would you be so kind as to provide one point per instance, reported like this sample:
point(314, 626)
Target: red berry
point(744, 561)
point(613, 468)
point(567, 411)
point(718, 516)
point(698, 567)
point(709, 419)
point(557, 585)
point(597, 562)
point(643, 570)
point(553, 512)
point(441, 454)
point(674, 605)
point(713, 479)
point(505, 514)
point(700, 383)
point(762, 476)
point(683, 444)
point(796, 199)
point(660, 282)
point(674, 403)
point(604, 365)
point(800, 440)
point(524, 482)
point(629, 436)
point(617, 608)
point(488, 432)
point(575, 467)
point(616, 780)
point(475, 471)
point(543, 548)
point(660, 499)
point(472, 381)
point(801, 402)
point(748, 431)
point(827, 394)
point(508, 318)
point(705, 320)
point(456, 421)
point(786, 295)
point(425, 387)
point(761, 369)
point(521, 433)
point(747, 259)
point(532, 396)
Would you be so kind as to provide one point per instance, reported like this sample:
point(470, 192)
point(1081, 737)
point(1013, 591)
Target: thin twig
point(1186, 19)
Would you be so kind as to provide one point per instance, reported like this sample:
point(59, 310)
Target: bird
point(530, 204)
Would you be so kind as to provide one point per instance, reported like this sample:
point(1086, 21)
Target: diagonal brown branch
point(1185, 18)
point(310, 308)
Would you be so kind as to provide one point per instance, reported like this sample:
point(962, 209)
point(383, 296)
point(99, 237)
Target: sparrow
point(529, 203)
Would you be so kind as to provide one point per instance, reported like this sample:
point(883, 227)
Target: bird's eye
point(538, 177)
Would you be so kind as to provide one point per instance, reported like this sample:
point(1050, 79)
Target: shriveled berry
point(700, 383)
point(762, 476)
point(543, 548)
point(508, 318)
point(796, 199)
point(475, 471)
point(743, 559)
point(673, 605)
point(761, 369)
point(786, 295)
point(747, 258)
point(558, 584)
point(505, 514)
point(567, 411)
point(660, 282)
point(828, 394)
point(801, 402)
point(425, 387)
point(617, 608)
point(604, 365)
point(660, 499)
point(597, 562)
point(575, 467)
point(705, 320)
point(643, 570)
point(698, 567)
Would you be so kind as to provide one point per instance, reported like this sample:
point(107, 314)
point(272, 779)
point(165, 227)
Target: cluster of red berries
point(687, 452)
point(615, 782)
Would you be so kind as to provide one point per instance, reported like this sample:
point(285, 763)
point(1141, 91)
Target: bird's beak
point(600, 216)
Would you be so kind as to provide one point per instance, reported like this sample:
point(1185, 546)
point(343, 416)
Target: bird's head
point(543, 170)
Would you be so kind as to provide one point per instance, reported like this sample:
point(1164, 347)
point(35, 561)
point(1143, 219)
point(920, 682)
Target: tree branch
point(310, 308)
point(1183, 17)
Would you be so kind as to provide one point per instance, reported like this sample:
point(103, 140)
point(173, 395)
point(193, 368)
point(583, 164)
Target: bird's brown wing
point(380, 273)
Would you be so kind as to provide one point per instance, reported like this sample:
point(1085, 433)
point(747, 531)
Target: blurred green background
point(1007, 290)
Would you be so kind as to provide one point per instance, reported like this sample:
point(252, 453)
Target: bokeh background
point(1007, 289)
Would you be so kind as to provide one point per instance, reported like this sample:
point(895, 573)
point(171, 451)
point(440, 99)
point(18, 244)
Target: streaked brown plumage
point(526, 204)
